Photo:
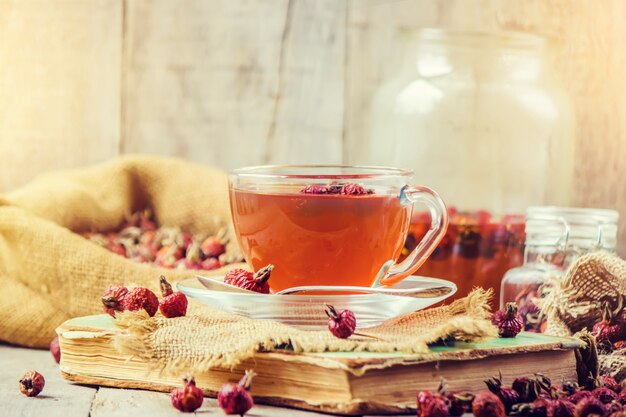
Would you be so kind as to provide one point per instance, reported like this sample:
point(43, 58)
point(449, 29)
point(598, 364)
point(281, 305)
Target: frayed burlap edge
point(467, 319)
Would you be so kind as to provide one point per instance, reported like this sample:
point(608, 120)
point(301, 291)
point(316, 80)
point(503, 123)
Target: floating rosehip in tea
point(249, 281)
point(334, 188)
point(55, 349)
point(188, 398)
point(31, 383)
point(141, 299)
point(113, 299)
point(235, 399)
point(508, 321)
point(341, 323)
point(173, 304)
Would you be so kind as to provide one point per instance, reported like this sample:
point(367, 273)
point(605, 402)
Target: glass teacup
point(331, 225)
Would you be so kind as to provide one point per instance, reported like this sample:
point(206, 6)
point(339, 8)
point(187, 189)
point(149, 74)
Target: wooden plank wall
point(243, 82)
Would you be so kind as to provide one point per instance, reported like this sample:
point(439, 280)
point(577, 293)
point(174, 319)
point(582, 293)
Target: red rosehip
point(314, 189)
point(55, 349)
point(341, 323)
point(249, 281)
point(579, 396)
point(604, 394)
point(141, 299)
point(212, 247)
point(173, 304)
point(188, 398)
point(508, 396)
point(431, 405)
point(32, 383)
point(113, 299)
point(487, 404)
point(235, 398)
point(210, 263)
point(353, 189)
point(590, 406)
point(563, 408)
point(186, 264)
point(610, 382)
point(527, 388)
point(508, 321)
point(612, 327)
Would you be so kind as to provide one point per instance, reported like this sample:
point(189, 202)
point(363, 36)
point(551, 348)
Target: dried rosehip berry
point(353, 189)
point(235, 398)
point(459, 403)
point(528, 389)
point(487, 404)
point(611, 328)
point(141, 299)
point(173, 304)
point(563, 408)
point(188, 398)
point(113, 299)
point(508, 321)
point(508, 396)
point(32, 383)
point(604, 394)
point(210, 263)
point(341, 323)
point(431, 405)
point(590, 406)
point(613, 407)
point(610, 382)
point(55, 349)
point(212, 247)
point(579, 396)
point(249, 281)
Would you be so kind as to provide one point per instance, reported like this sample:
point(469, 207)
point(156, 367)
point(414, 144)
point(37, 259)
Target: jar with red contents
point(555, 237)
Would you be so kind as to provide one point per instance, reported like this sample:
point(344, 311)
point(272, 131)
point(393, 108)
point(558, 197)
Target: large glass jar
point(481, 118)
point(555, 237)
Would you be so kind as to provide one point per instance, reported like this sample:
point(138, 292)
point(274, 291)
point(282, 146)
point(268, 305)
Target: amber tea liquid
point(314, 239)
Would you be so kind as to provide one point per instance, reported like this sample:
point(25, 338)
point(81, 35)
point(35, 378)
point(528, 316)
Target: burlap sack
point(50, 274)
point(574, 302)
point(208, 337)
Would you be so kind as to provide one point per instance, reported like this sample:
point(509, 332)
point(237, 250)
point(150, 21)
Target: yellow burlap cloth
point(574, 303)
point(209, 337)
point(49, 273)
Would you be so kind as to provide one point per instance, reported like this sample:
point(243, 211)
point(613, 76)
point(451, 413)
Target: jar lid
point(586, 228)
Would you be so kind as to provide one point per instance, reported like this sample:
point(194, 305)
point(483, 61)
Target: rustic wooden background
point(241, 82)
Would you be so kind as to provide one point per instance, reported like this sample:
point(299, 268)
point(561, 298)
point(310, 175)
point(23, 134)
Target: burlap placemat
point(208, 337)
point(50, 274)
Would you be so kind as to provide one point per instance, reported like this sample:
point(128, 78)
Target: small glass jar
point(555, 238)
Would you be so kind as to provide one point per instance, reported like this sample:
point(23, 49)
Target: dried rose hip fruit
point(32, 383)
point(563, 408)
point(188, 398)
point(113, 299)
point(590, 407)
point(610, 382)
point(209, 264)
point(528, 389)
point(212, 247)
point(314, 189)
point(604, 394)
point(508, 396)
point(235, 398)
point(141, 299)
point(55, 349)
point(341, 323)
point(431, 405)
point(612, 328)
point(173, 304)
point(579, 396)
point(354, 189)
point(508, 321)
point(487, 404)
point(249, 281)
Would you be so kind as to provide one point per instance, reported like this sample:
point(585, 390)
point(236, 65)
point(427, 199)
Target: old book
point(335, 382)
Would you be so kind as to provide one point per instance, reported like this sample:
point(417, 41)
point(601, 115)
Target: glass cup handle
point(392, 273)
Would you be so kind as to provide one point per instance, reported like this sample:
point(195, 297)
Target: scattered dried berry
point(610, 382)
point(508, 396)
point(563, 408)
point(55, 349)
point(32, 383)
point(459, 403)
point(173, 304)
point(612, 328)
point(589, 407)
point(613, 407)
point(211, 263)
point(341, 323)
point(527, 388)
point(579, 396)
point(431, 405)
point(113, 299)
point(212, 247)
point(141, 299)
point(235, 398)
point(604, 394)
point(621, 397)
point(188, 398)
point(249, 281)
point(508, 321)
point(487, 404)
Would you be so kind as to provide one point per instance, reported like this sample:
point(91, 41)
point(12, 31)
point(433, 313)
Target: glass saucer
point(307, 311)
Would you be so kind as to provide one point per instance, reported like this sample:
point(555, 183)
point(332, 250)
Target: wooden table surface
point(61, 398)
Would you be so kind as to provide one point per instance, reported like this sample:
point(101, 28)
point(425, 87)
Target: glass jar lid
point(584, 228)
